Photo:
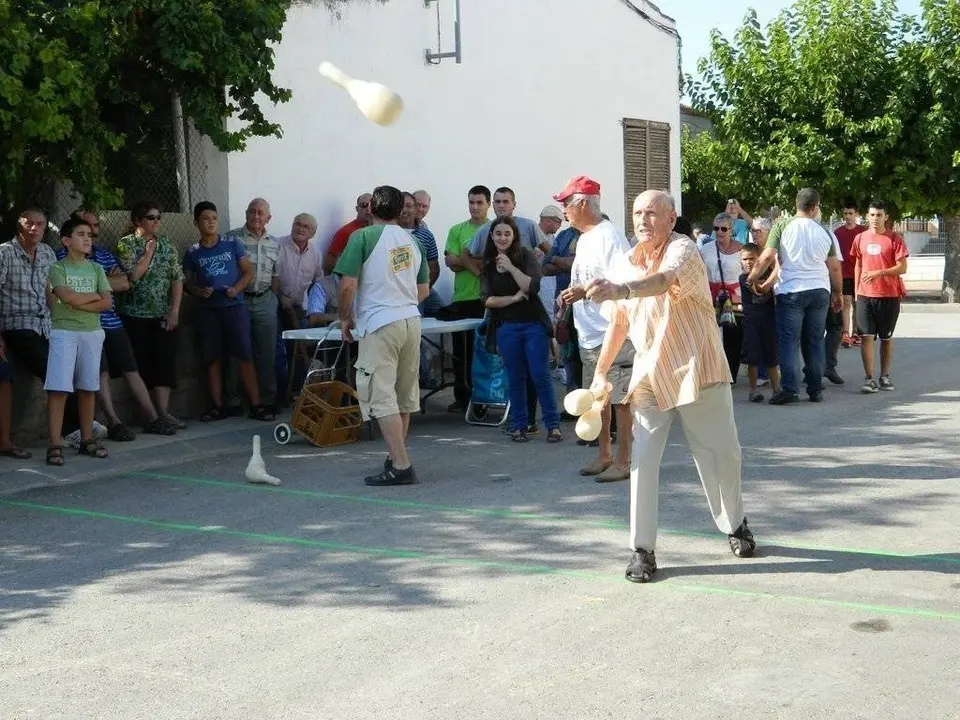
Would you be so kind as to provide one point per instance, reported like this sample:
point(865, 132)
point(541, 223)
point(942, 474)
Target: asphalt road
point(171, 588)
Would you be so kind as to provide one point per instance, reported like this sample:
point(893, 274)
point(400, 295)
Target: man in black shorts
point(881, 259)
point(117, 359)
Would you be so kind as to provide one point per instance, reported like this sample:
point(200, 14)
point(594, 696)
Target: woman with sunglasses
point(722, 259)
point(150, 309)
point(509, 288)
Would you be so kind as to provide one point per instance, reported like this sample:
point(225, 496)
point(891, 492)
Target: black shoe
point(742, 543)
point(456, 407)
point(392, 476)
point(784, 398)
point(642, 566)
point(833, 377)
point(816, 396)
point(588, 443)
point(567, 417)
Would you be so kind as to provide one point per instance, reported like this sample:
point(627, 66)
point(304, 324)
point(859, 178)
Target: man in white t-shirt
point(599, 247)
point(383, 278)
point(811, 283)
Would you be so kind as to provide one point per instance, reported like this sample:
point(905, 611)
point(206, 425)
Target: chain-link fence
point(168, 164)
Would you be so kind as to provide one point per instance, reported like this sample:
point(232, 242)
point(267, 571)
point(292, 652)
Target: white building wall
point(537, 99)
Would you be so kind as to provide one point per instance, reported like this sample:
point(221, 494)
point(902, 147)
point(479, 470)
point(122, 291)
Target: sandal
point(55, 455)
point(518, 436)
point(16, 453)
point(92, 448)
point(213, 415)
point(554, 436)
point(158, 427)
point(642, 566)
point(119, 432)
point(261, 413)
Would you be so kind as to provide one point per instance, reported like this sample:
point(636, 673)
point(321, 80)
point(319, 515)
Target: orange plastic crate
point(328, 414)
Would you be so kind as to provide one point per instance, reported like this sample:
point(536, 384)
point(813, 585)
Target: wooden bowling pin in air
point(256, 469)
point(379, 103)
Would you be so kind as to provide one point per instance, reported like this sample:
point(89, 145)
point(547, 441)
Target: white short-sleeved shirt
point(598, 251)
point(803, 246)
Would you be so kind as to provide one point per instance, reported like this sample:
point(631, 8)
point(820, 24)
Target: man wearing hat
point(551, 218)
point(600, 246)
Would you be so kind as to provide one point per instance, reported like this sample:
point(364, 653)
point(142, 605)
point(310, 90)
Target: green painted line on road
point(514, 515)
point(472, 562)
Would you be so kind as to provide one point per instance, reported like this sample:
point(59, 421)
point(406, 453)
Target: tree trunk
point(951, 267)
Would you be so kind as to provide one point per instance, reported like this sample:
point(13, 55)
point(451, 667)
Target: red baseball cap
point(580, 185)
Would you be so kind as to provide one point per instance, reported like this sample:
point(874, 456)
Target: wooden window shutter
point(646, 161)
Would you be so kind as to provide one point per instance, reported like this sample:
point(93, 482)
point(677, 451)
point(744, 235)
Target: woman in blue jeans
point(509, 287)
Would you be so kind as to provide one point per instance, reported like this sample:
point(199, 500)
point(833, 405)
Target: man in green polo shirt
point(466, 290)
point(384, 276)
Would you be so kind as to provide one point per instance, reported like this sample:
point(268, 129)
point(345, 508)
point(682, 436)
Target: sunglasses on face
point(153, 218)
point(720, 229)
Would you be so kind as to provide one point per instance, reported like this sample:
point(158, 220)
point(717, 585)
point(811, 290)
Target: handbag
point(722, 304)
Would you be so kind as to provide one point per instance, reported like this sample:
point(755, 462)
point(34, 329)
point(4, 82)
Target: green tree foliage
point(848, 96)
point(84, 81)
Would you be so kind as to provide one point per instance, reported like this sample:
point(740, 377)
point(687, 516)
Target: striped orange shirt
point(676, 336)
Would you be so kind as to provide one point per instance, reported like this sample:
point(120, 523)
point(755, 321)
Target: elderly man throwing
point(680, 371)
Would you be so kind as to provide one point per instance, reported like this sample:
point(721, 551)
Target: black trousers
point(28, 352)
point(833, 338)
point(732, 346)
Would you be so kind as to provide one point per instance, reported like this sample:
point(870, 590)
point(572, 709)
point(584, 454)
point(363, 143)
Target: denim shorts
point(74, 361)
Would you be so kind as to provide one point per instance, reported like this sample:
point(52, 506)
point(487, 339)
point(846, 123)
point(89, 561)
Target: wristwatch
point(627, 287)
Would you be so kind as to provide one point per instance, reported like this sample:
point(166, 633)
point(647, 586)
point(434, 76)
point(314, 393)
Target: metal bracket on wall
point(434, 58)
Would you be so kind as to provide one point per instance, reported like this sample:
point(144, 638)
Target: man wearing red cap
point(600, 244)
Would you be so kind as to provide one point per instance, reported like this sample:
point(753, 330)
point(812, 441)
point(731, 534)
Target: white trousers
point(712, 434)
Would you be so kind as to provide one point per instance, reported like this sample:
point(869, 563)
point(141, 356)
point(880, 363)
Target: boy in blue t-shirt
point(217, 270)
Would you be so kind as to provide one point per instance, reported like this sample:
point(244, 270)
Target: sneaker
point(100, 432)
point(642, 566)
point(174, 421)
point(784, 398)
point(742, 543)
point(870, 386)
point(816, 396)
point(763, 381)
point(845, 341)
point(392, 476)
point(833, 377)
point(886, 383)
point(73, 439)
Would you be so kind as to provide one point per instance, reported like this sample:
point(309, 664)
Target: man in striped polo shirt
point(680, 370)
point(117, 359)
point(383, 277)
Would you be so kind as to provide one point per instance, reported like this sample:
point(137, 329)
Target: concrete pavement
point(164, 586)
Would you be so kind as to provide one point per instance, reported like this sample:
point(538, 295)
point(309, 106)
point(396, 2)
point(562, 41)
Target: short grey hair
point(422, 192)
point(722, 217)
point(663, 200)
point(762, 223)
point(307, 216)
point(592, 202)
point(259, 201)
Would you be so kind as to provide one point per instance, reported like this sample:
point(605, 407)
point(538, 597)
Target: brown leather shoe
point(595, 468)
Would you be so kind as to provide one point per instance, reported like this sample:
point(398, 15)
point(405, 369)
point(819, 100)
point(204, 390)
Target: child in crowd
point(759, 324)
point(78, 291)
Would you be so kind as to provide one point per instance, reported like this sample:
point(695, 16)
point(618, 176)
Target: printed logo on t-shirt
point(874, 249)
point(215, 265)
point(81, 283)
point(401, 258)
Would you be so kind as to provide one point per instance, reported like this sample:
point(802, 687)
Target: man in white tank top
point(383, 277)
point(811, 282)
